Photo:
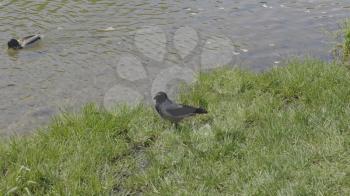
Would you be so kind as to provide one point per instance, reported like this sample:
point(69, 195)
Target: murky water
point(110, 51)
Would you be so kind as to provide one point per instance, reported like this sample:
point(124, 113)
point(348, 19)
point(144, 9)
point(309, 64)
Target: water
point(106, 51)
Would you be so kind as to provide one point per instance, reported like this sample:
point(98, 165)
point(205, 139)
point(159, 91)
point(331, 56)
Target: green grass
point(282, 132)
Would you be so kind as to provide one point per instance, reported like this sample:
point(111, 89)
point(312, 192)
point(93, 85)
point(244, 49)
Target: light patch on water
point(108, 29)
point(235, 53)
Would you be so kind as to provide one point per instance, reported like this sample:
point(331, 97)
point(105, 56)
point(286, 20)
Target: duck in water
point(24, 42)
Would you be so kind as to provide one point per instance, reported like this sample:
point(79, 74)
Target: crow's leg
point(176, 126)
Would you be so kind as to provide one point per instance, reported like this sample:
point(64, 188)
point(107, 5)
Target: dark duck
point(24, 42)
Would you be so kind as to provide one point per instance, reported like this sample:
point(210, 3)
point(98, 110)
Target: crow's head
point(160, 97)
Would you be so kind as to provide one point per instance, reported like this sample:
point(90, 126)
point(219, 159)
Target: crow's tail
point(201, 111)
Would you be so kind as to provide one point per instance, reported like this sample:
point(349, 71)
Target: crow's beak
point(155, 96)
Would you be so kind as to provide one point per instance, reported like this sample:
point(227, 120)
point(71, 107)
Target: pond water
point(114, 51)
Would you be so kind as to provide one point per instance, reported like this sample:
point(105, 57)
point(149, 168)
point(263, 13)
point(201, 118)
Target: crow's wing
point(177, 110)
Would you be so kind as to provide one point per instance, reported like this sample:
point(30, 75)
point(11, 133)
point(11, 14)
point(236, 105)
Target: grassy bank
point(282, 132)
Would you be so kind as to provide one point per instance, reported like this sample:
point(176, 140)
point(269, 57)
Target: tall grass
point(283, 132)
